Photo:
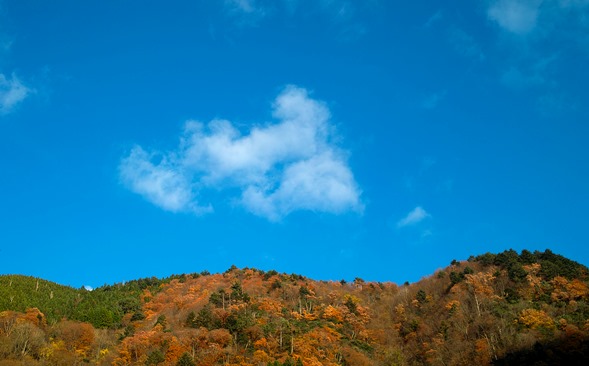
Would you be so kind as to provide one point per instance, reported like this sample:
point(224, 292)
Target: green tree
point(421, 296)
point(218, 298)
point(527, 257)
point(190, 319)
point(468, 270)
point(237, 293)
point(516, 272)
point(138, 315)
point(161, 320)
point(101, 317)
point(456, 277)
point(155, 357)
point(204, 318)
point(185, 360)
point(486, 259)
point(351, 305)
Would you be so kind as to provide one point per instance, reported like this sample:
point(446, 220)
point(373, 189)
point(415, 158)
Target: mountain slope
point(506, 308)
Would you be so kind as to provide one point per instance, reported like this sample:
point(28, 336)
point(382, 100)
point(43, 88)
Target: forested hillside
point(507, 309)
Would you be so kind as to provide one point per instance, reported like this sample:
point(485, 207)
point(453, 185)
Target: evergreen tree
point(161, 320)
point(155, 358)
point(204, 318)
point(190, 320)
point(185, 360)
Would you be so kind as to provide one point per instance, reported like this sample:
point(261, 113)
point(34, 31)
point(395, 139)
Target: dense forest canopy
point(506, 308)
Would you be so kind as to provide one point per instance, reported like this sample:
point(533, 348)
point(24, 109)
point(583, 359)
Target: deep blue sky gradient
point(476, 112)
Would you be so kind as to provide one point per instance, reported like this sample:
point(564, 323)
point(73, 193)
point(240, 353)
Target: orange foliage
point(482, 352)
point(262, 357)
point(533, 279)
point(221, 337)
point(452, 305)
point(136, 347)
point(559, 293)
point(76, 336)
point(271, 306)
point(333, 313)
point(288, 317)
point(400, 310)
point(261, 343)
point(35, 316)
point(563, 290)
point(481, 283)
point(175, 349)
point(533, 318)
point(354, 357)
point(317, 347)
point(578, 289)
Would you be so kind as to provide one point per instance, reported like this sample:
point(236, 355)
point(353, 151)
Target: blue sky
point(331, 138)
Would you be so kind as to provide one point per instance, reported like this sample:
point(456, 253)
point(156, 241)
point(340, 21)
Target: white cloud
point(417, 215)
point(277, 168)
point(12, 92)
point(516, 16)
point(320, 183)
point(163, 184)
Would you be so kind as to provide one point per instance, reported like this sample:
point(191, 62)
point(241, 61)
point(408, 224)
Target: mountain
point(506, 309)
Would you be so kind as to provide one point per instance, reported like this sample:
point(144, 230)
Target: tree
point(190, 319)
point(161, 320)
point(155, 357)
point(351, 305)
point(456, 277)
point(26, 339)
point(185, 360)
point(138, 315)
point(237, 293)
point(77, 336)
point(421, 296)
point(204, 318)
point(101, 317)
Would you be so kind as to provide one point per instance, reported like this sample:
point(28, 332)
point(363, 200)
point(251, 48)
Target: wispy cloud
point(516, 16)
point(522, 17)
point(246, 6)
point(417, 215)
point(432, 100)
point(438, 16)
point(426, 163)
point(530, 74)
point(5, 44)
point(276, 169)
point(342, 13)
point(465, 44)
point(12, 92)
point(543, 36)
point(249, 11)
